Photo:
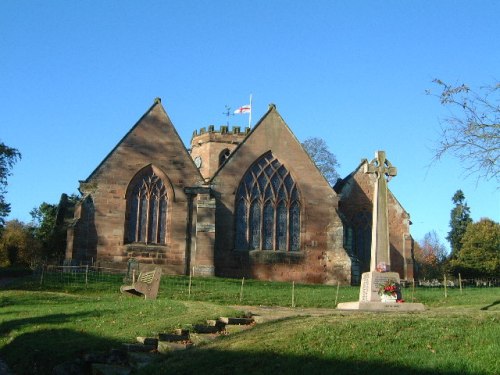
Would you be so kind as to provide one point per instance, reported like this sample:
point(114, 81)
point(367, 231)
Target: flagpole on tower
point(250, 116)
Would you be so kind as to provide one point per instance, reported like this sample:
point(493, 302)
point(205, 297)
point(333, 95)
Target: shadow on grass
point(215, 362)
point(497, 302)
point(39, 352)
point(54, 319)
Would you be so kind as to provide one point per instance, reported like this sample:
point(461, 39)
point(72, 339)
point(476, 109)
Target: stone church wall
point(151, 143)
point(321, 258)
point(200, 227)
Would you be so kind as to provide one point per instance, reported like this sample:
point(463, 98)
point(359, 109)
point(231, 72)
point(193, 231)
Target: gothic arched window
point(147, 218)
point(267, 214)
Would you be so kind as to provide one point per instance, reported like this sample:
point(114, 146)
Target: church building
point(239, 203)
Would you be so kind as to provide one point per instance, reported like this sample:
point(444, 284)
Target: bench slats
point(147, 277)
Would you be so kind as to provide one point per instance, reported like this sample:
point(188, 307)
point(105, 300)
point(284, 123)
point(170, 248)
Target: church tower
point(210, 149)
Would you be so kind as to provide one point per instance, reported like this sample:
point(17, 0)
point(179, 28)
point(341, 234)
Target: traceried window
point(147, 219)
point(267, 215)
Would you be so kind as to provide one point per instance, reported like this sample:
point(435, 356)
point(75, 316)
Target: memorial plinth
point(381, 306)
point(370, 300)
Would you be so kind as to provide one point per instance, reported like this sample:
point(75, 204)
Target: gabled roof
point(341, 183)
point(167, 122)
point(272, 110)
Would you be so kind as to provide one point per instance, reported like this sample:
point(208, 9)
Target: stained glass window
point(294, 219)
point(267, 214)
point(281, 225)
point(241, 225)
point(254, 223)
point(268, 230)
point(147, 218)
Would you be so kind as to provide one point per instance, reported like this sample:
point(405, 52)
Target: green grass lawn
point(43, 325)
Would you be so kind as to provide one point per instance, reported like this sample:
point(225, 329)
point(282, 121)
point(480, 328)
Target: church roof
point(271, 110)
point(341, 183)
point(165, 121)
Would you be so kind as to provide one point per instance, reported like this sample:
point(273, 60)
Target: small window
point(223, 156)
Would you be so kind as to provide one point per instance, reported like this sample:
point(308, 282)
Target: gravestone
point(380, 258)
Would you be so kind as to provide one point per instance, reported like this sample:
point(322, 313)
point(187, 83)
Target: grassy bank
point(43, 325)
point(428, 343)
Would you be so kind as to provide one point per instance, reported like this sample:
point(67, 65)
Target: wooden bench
point(146, 285)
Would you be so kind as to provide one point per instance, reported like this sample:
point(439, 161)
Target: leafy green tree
point(44, 220)
point(480, 253)
point(460, 218)
point(45, 231)
point(430, 255)
point(472, 131)
point(49, 226)
point(8, 157)
point(325, 160)
point(18, 245)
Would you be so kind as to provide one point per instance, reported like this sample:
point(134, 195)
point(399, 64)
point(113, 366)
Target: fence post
point(241, 289)
point(445, 288)
point(293, 293)
point(413, 290)
point(41, 276)
point(337, 294)
point(190, 281)
point(86, 276)
point(460, 282)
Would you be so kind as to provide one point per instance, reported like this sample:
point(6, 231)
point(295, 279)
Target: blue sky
point(76, 76)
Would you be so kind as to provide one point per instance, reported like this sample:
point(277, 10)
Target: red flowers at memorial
point(389, 287)
point(392, 289)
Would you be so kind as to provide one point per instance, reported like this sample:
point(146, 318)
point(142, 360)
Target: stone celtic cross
point(380, 247)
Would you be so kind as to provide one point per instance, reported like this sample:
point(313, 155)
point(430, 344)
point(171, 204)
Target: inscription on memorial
point(364, 287)
point(371, 282)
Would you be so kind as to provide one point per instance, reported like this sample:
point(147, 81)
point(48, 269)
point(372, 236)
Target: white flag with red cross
point(243, 109)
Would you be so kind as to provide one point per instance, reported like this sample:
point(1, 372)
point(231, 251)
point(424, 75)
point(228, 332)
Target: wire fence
point(238, 291)
point(212, 289)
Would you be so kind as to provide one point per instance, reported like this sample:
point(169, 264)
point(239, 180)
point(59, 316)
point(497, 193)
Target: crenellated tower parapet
point(210, 147)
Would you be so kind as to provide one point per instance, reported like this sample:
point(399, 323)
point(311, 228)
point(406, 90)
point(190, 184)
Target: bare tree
point(324, 159)
point(472, 131)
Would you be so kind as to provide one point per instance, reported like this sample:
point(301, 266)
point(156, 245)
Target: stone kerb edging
point(133, 356)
